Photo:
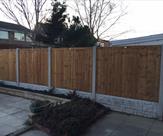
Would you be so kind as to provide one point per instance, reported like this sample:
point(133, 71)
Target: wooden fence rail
point(132, 72)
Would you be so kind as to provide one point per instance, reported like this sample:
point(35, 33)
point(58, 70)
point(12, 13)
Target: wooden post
point(17, 66)
point(94, 74)
point(49, 67)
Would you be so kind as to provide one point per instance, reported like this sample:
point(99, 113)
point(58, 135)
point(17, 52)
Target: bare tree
point(24, 12)
point(99, 15)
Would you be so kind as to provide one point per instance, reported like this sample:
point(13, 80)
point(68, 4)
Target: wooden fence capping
point(161, 86)
point(49, 66)
point(94, 73)
point(17, 66)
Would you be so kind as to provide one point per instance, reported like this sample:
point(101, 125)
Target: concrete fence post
point(94, 74)
point(17, 66)
point(49, 67)
point(161, 86)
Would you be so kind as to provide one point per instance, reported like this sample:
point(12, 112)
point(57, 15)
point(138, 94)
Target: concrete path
point(13, 113)
point(34, 133)
point(118, 124)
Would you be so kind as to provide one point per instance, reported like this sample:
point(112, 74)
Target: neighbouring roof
point(156, 39)
point(13, 27)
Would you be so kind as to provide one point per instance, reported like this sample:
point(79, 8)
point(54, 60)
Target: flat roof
point(13, 27)
point(156, 39)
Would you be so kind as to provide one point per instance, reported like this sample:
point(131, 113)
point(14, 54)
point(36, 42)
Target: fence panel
point(72, 68)
point(131, 72)
point(34, 66)
point(8, 64)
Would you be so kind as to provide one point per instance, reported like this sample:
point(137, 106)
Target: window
point(4, 35)
point(19, 36)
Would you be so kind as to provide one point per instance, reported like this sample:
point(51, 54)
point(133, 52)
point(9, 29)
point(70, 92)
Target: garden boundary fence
point(130, 72)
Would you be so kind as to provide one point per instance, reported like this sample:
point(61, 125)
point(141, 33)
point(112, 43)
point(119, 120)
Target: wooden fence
point(132, 72)
point(72, 68)
point(33, 66)
point(8, 64)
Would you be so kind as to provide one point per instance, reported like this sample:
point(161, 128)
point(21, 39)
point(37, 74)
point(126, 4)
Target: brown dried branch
point(95, 13)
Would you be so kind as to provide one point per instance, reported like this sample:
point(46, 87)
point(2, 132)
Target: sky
point(144, 17)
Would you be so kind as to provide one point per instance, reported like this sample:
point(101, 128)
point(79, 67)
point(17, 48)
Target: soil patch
point(72, 118)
